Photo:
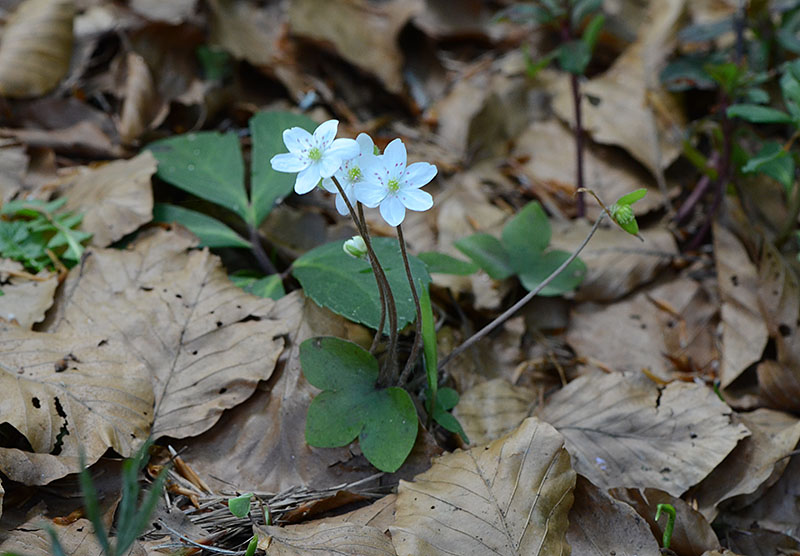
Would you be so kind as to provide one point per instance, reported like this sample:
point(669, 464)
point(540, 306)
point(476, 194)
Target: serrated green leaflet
point(347, 286)
point(350, 406)
point(210, 231)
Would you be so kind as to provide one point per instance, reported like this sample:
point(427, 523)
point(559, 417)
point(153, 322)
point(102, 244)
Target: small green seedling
point(240, 505)
point(670, 511)
point(251, 547)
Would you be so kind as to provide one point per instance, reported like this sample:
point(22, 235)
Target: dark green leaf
point(488, 253)
point(632, 197)
point(331, 363)
point(210, 231)
point(263, 286)
point(267, 185)
point(756, 95)
point(445, 264)
point(215, 61)
point(592, 31)
point(207, 164)
point(528, 232)
point(583, 8)
point(347, 286)
point(687, 73)
point(773, 161)
point(533, 272)
point(789, 33)
point(574, 56)
point(703, 32)
point(758, 114)
point(445, 401)
point(240, 505)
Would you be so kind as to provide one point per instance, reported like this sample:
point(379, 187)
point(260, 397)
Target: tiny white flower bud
point(355, 247)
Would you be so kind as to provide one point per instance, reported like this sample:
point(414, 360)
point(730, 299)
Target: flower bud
point(355, 247)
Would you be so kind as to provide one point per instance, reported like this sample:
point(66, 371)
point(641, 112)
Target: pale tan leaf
point(141, 103)
point(25, 300)
point(509, 497)
point(670, 320)
point(756, 462)
point(761, 542)
point(723, 552)
point(13, 163)
point(627, 106)
point(173, 12)
point(623, 430)
point(599, 525)
point(744, 333)
point(692, 534)
point(249, 32)
point(85, 139)
point(492, 409)
point(67, 393)
point(379, 514)
point(115, 199)
point(205, 342)
point(325, 539)
point(36, 47)
point(363, 33)
point(617, 263)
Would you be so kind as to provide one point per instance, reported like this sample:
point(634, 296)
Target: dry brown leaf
point(205, 342)
point(141, 103)
point(627, 106)
point(623, 430)
point(599, 525)
point(692, 534)
point(723, 552)
point(246, 30)
point(362, 32)
point(509, 497)
point(67, 393)
point(548, 148)
point(642, 332)
point(84, 139)
point(36, 47)
point(261, 443)
point(493, 409)
point(115, 199)
point(13, 163)
point(25, 301)
point(744, 333)
point(756, 462)
point(761, 542)
point(173, 12)
point(616, 262)
point(379, 514)
point(77, 539)
point(325, 539)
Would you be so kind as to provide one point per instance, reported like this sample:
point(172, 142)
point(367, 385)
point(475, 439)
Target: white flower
point(355, 247)
point(350, 173)
point(387, 182)
point(314, 156)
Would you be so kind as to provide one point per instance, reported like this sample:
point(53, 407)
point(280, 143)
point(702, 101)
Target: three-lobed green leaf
point(211, 232)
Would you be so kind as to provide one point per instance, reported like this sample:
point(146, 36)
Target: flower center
point(354, 174)
point(315, 154)
point(393, 185)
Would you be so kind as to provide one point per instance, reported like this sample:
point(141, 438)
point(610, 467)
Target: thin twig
point(261, 255)
point(480, 334)
point(418, 336)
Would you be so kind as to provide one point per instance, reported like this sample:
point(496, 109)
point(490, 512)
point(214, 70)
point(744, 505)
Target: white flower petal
point(325, 133)
point(368, 194)
point(307, 180)
point(341, 207)
point(329, 165)
point(289, 162)
point(374, 171)
point(344, 149)
point(393, 211)
point(418, 174)
point(414, 199)
point(297, 140)
point(394, 158)
point(365, 144)
point(329, 186)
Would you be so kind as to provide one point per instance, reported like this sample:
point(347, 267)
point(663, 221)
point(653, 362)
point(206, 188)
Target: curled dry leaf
point(692, 534)
point(756, 462)
point(744, 333)
point(492, 409)
point(68, 392)
point(36, 47)
point(510, 497)
point(616, 262)
point(379, 514)
point(141, 103)
point(600, 525)
point(115, 199)
point(25, 300)
point(623, 430)
point(325, 539)
point(761, 542)
point(205, 342)
point(84, 139)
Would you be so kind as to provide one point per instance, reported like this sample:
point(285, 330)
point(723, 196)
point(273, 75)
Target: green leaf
point(773, 161)
point(583, 8)
point(215, 61)
point(534, 66)
point(445, 401)
point(756, 95)
point(212, 232)
point(687, 73)
point(263, 286)
point(267, 185)
point(528, 232)
point(632, 197)
point(592, 31)
point(488, 253)
point(440, 263)
point(207, 164)
point(789, 33)
point(704, 32)
point(534, 270)
point(350, 405)
point(574, 56)
point(347, 286)
point(18, 242)
point(240, 505)
point(758, 114)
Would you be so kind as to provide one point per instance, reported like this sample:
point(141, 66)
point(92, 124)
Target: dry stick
point(480, 334)
point(381, 292)
point(418, 336)
point(390, 368)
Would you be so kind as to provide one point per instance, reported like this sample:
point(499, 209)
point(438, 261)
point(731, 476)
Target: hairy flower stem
point(575, 85)
point(389, 369)
point(412, 358)
point(381, 291)
point(483, 332)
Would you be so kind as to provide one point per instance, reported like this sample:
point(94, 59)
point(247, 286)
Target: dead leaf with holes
point(755, 464)
point(25, 297)
point(623, 430)
point(36, 47)
point(509, 497)
point(493, 409)
point(341, 539)
point(600, 525)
